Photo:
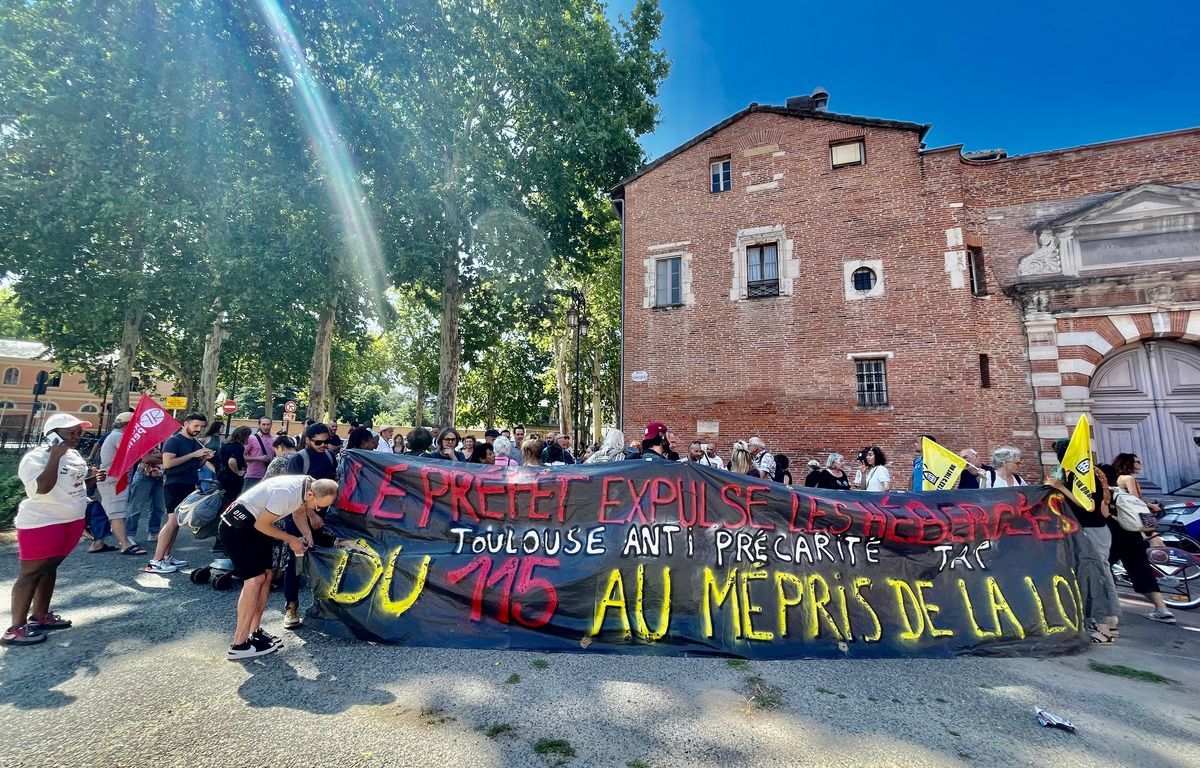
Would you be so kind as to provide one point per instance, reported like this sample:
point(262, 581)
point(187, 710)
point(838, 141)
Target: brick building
point(827, 282)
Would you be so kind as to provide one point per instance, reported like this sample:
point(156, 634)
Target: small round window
point(864, 279)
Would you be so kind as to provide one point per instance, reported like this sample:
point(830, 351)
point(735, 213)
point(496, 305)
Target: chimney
point(816, 102)
point(820, 98)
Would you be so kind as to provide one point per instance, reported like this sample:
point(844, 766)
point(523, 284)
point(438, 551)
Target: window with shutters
point(848, 153)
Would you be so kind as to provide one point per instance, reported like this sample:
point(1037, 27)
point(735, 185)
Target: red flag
point(150, 425)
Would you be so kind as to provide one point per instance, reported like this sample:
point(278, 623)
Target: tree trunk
point(131, 332)
point(268, 395)
point(561, 347)
point(318, 388)
point(211, 363)
point(450, 355)
point(419, 409)
point(596, 416)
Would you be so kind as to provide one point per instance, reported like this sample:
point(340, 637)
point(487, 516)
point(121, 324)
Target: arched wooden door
point(1146, 400)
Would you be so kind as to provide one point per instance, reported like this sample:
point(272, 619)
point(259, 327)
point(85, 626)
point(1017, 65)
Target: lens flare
point(341, 177)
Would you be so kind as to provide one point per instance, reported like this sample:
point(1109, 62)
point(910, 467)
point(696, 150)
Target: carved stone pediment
point(1153, 224)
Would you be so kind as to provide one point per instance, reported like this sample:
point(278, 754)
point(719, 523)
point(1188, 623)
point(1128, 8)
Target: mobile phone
point(53, 439)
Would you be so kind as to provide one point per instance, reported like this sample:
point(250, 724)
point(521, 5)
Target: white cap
point(64, 421)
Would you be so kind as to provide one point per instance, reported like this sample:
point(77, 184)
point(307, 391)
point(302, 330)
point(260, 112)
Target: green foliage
point(12, 491)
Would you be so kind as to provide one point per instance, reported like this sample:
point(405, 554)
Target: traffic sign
point(228, 407)
point(289, 416)
point(176, 403)
point(290, 406)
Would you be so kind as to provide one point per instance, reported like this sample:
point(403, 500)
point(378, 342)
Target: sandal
point(1099, 638)
point(133, 549)
point(105, 548)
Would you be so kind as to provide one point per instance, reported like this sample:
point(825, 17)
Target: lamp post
point(578, 323)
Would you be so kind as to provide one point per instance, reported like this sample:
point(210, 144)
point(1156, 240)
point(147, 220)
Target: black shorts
point(249, 549)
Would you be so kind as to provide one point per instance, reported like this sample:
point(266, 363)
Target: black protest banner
point(666, 558)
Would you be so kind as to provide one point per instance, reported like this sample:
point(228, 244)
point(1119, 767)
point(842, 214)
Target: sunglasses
point(319, 442)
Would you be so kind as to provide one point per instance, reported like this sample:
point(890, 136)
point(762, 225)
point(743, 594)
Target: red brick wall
point(778, 367)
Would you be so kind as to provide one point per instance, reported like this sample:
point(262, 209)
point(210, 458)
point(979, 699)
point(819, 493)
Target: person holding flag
point(939, 467)
point(115, 502)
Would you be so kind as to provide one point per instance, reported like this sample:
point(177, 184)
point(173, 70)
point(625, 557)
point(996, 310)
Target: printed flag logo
point(1077, 463)
point(941, 466)
point(152, 418)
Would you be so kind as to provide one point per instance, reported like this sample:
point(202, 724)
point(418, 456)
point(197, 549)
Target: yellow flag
point(940, 465)
point(1077, 462)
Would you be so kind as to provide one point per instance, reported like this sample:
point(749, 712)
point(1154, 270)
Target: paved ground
point(141, 681)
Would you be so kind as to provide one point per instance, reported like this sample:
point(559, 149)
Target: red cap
point(654, 429)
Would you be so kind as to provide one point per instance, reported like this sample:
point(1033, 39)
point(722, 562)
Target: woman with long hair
point(446, 447)
point(531, 452)
point(1129, 548)
point(741, 463)
point(874, 474)
point(612, 449)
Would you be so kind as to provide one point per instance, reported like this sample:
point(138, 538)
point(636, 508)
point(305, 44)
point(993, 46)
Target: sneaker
point(49, 621)
point(161, 566)
point(177, 563)
point(259, 634)
point(248, 650)
point(1166, 617)
point(264, 645)
point(291, 617)
point(23, 635)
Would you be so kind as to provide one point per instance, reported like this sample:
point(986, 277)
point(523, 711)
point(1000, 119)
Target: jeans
point(146, 495)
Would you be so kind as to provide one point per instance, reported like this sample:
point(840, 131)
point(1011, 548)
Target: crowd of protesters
point(274, 488)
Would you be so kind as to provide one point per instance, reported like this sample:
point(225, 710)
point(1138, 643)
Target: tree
point(497, 119)
point(12, 322)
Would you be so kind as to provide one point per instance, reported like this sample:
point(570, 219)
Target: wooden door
point(1146, 400)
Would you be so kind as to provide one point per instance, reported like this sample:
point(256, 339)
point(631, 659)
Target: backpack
point(1132, 513)
point(201, 512)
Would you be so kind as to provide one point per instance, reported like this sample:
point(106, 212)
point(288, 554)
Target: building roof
point(618, 191)
point(23, 350)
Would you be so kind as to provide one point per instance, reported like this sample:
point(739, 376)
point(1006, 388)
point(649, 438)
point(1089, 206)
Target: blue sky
point(1023, 76)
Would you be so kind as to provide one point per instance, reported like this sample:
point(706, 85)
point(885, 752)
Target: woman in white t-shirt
point(1006, 460)
point(248, 531)
point(49, 523)
point(874, 474)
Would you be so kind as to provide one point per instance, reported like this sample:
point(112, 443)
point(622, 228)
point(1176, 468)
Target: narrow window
point(975, 267)
point(55, 379)
point(848, 153)
point(720, 171)
point(985, 372)
point(12, 376)
point(871, 376)
point(668, 282)
point(762, 270)
point(864, 279)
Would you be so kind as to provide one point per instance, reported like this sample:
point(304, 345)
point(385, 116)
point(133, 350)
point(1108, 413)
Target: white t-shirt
point(108, 452)
point(765, 462)
point(876, 477)
point(280, 495)
point(992, 479)
point(384, 446)
point(66, 501)
point(711, 461)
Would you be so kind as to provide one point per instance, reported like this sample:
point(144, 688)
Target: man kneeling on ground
point(248, 531)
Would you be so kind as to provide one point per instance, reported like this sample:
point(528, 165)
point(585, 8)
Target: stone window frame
point(848, 270)
point(862, 357)
point(650, 263)
point(12, 376)
point(788, 264)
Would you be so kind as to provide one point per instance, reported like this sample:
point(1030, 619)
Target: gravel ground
point(141, 679)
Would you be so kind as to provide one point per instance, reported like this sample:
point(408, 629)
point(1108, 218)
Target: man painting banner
point(1077, 464)
point(149, 426)
point(941, 466)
